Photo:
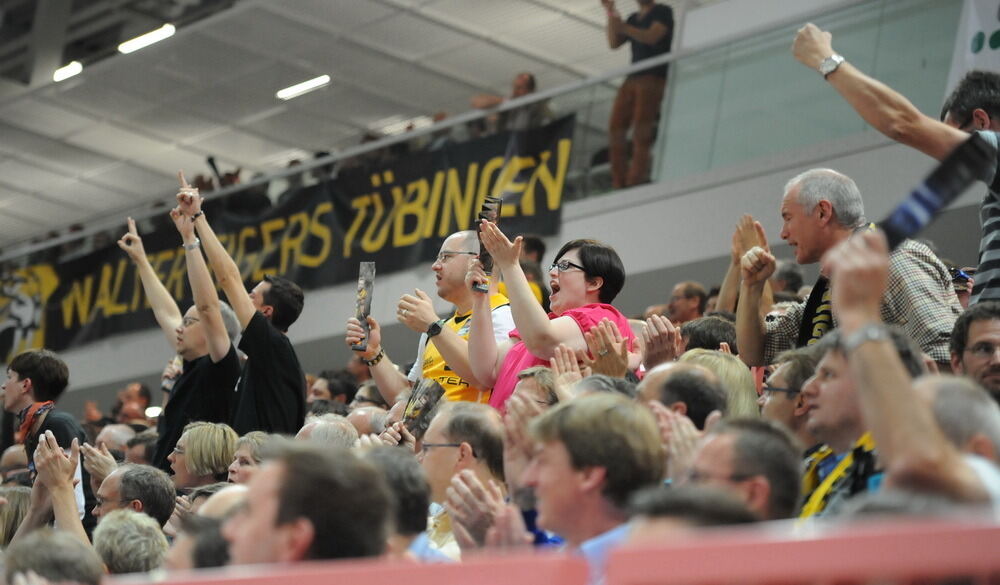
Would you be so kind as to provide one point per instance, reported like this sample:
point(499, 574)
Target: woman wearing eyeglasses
point(585, 277)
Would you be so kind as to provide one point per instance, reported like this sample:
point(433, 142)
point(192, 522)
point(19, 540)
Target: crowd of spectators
point(571, 427)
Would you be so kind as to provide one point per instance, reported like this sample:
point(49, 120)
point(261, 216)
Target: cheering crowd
point(542, 420)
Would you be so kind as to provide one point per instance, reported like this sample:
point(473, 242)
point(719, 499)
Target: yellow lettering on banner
point(458, 203)
point(506, 184)
point(177, 277)
point(245, 260)
point(291, 244)
point(492, 166)
point(432, 209)
point(107, 292)
point(322, 231)
point(76, 304)
point(553, 185)
point(360, 205)
point(375, 235)
point(412, 204)
point(270, 245)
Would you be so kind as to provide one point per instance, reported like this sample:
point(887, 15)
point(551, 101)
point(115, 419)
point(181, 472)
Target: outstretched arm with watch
point(881, 106)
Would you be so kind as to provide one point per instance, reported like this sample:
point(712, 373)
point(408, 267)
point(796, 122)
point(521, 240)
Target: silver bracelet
point(193, 245)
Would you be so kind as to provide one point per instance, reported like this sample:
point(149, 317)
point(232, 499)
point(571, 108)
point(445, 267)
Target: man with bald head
point(115, 437)
point(442, 354)
point(367, 419)
point(687, 389)
point(820, 209)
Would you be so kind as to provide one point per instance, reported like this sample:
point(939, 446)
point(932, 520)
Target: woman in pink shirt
point(585, 277)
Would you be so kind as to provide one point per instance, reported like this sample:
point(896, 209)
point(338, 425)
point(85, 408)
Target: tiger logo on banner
point(23, 294)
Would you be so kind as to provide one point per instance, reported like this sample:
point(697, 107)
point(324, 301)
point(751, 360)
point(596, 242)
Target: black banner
point(396, 215)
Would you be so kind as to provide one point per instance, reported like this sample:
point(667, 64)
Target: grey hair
point(840, 190)
point(130, 542)
point(962, 409)
point(334, 431)
point(229, 320)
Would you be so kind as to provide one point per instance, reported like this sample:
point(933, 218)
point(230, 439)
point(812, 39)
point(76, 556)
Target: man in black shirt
point(637, 105)
point(202, 337)
point(270, 394)
point(35, 381)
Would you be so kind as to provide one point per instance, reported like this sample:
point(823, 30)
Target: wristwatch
point(434, 328)
point(870, 332)
point(830, 64)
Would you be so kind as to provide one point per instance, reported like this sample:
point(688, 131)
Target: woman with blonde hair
point(12, 511)
point(734, 375)
point(202, 454)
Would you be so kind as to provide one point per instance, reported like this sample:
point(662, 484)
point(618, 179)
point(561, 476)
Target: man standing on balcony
point(973, 106)
point(637, 105)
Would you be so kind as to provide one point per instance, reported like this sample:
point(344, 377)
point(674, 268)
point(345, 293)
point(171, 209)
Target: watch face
point(830, 64)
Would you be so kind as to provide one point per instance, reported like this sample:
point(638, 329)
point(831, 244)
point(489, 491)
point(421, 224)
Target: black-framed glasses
point(564, 265)
point(428, 446)
point(443, 256)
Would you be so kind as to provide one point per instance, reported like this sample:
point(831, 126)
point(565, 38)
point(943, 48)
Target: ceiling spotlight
point(67, 71)
point(164, 32)
point(303, 88)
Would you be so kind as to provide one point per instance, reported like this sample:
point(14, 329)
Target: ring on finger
point(402, 312)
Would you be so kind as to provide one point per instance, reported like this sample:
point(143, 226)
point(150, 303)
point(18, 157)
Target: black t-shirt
point(66, 428)
point(205, 391)
point(659, 13)
point(271, 393)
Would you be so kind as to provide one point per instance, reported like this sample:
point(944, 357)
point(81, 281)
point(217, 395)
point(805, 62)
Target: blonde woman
point(734, 375)
point(202, 454)
point(12, 511)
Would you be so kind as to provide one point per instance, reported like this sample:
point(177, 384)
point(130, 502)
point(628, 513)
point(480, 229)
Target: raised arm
point(882, 107)
point(56, 470)
point(206, 299)
point(911, 445)
point(539, 333)
point(485, 354)
point(389, 380)
point(757, 266)
point(168, 315)
point(646, 36)
point(226, 271)
point(613, 29)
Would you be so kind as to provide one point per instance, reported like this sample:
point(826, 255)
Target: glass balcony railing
point(726, 104)
point(750, 99)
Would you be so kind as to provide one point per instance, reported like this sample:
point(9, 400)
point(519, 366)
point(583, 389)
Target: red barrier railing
point(850, 553)
point(898, 552)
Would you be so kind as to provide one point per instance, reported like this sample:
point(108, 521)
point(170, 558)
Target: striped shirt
point(919, 299)
point(987, 285)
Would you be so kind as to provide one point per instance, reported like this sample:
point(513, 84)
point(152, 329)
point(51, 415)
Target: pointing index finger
point(183, 181)
point(131, 227)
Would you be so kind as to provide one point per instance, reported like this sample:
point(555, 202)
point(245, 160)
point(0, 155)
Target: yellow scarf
point(819, 492)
